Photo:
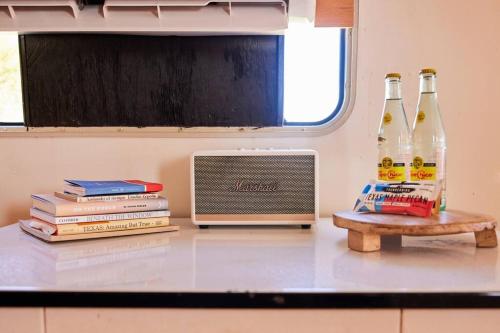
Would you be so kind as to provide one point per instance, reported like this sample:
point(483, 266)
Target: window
point(312, 87)
point(11, 105)
point(314, 74)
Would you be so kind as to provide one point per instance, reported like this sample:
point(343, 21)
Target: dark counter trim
point(248, 300)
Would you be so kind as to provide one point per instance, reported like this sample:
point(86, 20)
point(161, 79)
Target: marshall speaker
point(254, 187)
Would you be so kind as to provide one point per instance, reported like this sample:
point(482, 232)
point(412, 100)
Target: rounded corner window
point(314, 75)
point(314, 65)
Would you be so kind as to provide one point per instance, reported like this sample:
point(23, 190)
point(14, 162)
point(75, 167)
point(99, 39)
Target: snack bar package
point(398, 198)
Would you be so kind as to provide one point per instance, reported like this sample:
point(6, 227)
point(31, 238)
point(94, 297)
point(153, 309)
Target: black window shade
point(79, 80)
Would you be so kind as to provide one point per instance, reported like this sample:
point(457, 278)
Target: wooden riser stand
point(365, 231)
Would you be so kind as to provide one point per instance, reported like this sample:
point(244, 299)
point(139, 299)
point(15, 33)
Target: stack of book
point(85, 207)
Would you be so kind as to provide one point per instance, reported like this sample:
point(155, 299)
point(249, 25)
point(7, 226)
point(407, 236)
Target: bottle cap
point(428, 71)
point(393, 75)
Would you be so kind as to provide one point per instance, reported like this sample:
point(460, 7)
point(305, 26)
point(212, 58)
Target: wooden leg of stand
point(486, 238)
point(358, 241)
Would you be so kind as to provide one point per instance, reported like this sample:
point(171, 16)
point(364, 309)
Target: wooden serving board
point(51, 238)
point(365, 229)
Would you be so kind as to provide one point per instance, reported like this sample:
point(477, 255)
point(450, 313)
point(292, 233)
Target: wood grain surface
point(334, 13)
point(448, 222)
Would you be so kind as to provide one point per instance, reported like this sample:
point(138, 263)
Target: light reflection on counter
point(242, 259)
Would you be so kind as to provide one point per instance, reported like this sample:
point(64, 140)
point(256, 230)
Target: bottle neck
point(392, 88)
point(427, 83)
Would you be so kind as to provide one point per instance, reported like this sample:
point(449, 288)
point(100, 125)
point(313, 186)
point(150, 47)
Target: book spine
point(92, 208)
point(83, 228)
point(110, 217)
point(105, 198)
point(41, 215)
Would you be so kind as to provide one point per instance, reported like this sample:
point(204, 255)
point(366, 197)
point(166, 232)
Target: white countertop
point(263, 259)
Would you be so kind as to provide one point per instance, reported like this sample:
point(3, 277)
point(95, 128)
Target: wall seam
point(401, 320)
point(44, 320)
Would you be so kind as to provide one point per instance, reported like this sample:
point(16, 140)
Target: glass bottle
point(394, 136)
point(429, 139)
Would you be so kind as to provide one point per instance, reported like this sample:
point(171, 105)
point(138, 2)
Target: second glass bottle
point(394, 136)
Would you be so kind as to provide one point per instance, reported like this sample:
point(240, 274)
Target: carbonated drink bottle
point(429, 140)
point(394, 137)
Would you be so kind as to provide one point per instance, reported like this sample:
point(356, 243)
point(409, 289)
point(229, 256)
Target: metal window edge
point(216, 132)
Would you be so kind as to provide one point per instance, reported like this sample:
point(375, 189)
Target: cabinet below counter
point(124, 320)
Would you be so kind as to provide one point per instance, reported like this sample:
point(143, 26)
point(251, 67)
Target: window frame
point(338, 117)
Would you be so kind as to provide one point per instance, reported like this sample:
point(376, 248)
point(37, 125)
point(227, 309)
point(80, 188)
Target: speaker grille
point(277, 184)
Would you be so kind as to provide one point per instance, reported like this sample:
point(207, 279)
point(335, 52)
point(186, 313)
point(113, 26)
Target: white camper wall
point(458, 38)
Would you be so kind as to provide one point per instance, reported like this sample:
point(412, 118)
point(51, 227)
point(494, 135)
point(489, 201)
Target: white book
point(39, 214)
point(107, 198)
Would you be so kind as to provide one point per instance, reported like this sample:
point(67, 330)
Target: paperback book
point(109, 187)
point(41, 215)
point(56, 206)
point(82, 228)
point(117, 197)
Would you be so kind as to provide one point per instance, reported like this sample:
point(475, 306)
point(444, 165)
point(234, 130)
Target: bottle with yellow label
point(394, 136)
point(429, 140)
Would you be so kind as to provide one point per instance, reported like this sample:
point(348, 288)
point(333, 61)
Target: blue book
point(109, 187)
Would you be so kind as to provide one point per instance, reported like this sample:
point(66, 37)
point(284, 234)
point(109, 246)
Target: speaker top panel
point(255, 152)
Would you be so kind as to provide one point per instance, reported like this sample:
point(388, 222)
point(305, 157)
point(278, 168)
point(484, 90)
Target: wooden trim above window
point(334, 13)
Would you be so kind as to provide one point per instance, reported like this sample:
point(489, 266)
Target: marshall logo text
point(244, 186)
